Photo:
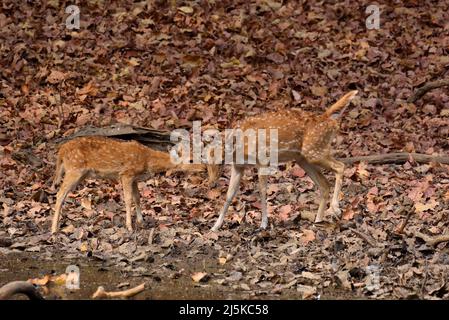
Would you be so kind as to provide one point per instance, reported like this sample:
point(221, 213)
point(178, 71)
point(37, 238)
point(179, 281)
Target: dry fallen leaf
point(318, 91)
point(361, 171)
point(298, 172)
point(348, 214)
point(40, 281)
point(284, 212)
point(446, 196)
point(84, 247)
point(199, 276)
point(68, 230)
point(59, 280)
point(56, 77)
point(296, 95)
point(306, 291)
point(86, 203)
point(430, 205)
point(186, 9)
point(213, 194)
point(307, 236)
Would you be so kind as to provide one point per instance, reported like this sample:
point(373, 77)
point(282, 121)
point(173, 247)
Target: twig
point(20, 287)
point(401, 227)
point(61, 118)
point(151, 236)
point(432, 241)
point(365, 237)
point(426, 275)
point(427, 87)
point(101, 293)
point(396, 157)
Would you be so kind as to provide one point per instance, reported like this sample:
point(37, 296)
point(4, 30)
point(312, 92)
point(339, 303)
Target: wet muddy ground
point(24, 266)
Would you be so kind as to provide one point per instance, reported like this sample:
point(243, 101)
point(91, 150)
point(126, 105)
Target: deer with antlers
point(303, 137)
point(101, 157)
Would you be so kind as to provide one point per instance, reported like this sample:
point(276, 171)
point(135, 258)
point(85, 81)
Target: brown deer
point(101, 157)
point(303, 137)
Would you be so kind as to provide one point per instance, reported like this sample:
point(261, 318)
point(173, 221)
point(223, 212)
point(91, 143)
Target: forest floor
point(161, 65)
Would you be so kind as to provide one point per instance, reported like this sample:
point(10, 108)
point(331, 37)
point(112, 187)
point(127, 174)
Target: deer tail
point(341, 103)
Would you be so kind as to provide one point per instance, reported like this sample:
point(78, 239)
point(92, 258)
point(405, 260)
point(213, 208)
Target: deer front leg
point(136, 198)
point(127, 184)
point(236, 174)
point(263, 198)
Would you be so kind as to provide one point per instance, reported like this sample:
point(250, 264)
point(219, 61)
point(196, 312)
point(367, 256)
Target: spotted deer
point(303, 137)
point(102, 157)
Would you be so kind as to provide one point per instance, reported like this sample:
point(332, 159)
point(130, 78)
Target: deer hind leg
point(263, 198)
point(321, 182)
point(127, 184)
point(236, 175)
point(338, 168)
point(136, 198)
point(71, 180)
point(58, 172)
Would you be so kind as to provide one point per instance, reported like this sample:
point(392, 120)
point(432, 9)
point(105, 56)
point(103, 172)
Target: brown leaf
point(199, 277)
point(213, 194)
point(298, 172)
point(306, 291)
point(56, 77)
point(40, 281)
point(296, 95)
point(348, 214)
point(318, 91)
point(272, 188)
point(284, 212)
point(430, 205)
point(307, 236)
point(88, 89)
point(186, 9)
point(86, 203)
point(362, 173)
point(275, 57)
point(342, 278)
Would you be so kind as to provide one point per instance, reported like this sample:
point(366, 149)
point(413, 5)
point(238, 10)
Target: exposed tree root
point(432, 241)
point(397, 157)
point(427, 87)
point(19, 287)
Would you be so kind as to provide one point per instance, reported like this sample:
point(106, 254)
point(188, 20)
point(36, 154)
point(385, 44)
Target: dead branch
point(427, 87)
point(367, 238)
point(102, 294)
point(158, 139)
point(432, 241)
point(19, 287)
point(397, 157)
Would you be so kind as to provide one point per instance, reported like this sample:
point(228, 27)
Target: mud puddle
point(93, 273)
